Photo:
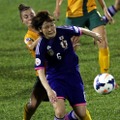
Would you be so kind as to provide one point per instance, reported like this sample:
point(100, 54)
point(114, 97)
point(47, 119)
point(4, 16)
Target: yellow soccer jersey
point(30, 37)
point(77, 8)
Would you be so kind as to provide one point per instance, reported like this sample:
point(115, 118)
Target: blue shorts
point(68, 85)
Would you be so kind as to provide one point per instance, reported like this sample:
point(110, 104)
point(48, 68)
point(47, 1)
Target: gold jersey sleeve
point(29, 38)
point(76, 8)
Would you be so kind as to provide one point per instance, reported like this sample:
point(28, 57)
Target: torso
point(77, 8)
point(59, 51)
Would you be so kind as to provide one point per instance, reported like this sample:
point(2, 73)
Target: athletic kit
point(62, 64)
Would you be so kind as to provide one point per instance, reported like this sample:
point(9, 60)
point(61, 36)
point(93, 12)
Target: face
point(48, 29)
point(27, 16)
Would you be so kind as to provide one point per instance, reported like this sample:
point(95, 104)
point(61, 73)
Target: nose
point(29, 18)
point(49, 28)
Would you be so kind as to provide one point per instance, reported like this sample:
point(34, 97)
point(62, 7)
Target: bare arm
point(50, 92)
point(32, 45)
point(95, 35)
point(117, 5)
point(57, 9)
point(105, 10)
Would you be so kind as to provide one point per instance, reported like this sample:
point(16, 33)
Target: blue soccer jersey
point(62, 64)
point(58, 52)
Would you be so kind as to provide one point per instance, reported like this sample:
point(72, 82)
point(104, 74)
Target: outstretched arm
point(95, 35)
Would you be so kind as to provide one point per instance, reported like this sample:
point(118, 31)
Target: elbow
point(31, 47)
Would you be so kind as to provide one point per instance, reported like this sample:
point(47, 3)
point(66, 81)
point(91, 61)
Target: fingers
point(98, 37)
point(75, 39)
point(53, 99)
point(56, 16)
point(52, 96)
point(109, 17)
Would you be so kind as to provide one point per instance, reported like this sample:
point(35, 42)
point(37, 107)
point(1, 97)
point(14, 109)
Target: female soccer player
point(62, 79)
point(31, 39)
point(83, 13)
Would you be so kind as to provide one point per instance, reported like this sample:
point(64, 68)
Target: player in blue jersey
point(62, 79)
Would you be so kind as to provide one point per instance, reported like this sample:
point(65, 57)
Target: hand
point(109, 17)
point(52, 96)
point(75, 41)
point(97, 37)
point(56, 14)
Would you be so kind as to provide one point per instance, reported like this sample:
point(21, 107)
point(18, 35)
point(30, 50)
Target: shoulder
point(41, 46)
point(30, 36)
point(69, 29)
point(42, 42)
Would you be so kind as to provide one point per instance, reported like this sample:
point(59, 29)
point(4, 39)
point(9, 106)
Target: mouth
point(51, 33)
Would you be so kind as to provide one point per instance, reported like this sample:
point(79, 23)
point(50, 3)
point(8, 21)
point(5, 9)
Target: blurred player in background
point(31, 39)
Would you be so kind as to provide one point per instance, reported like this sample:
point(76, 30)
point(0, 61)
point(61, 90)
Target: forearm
point(117, 5)
point(43, 80)
point(95, 35)
point(87, 32)
point(58, 3)
point(51, 93)
point(34, 44)
point(102, 3)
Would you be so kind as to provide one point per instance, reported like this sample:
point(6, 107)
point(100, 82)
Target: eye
point(52, 25)
point(25, 16)
point(32, 15)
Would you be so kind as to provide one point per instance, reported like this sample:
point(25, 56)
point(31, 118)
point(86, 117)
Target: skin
point(48, 29)
point(100, 29)
point(117, 5)
point(26, 17)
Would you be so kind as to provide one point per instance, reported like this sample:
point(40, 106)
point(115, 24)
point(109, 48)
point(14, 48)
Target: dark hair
point(41, 17)
point(22, 8)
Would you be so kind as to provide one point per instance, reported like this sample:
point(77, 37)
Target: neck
point(32, 29)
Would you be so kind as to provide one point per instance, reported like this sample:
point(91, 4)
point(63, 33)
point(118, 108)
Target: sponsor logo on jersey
point(37, 61)
point(50, 51)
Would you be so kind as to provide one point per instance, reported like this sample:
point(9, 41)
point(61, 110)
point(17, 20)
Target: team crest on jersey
point(37, 61)
point(63, 42)
point(50, 51)
point(28, 39)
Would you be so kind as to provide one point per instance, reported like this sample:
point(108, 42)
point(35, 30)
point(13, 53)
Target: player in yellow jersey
point(84, 13)
point(31, 39)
